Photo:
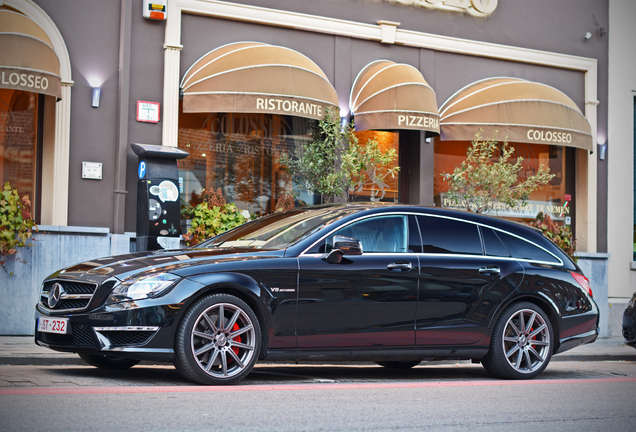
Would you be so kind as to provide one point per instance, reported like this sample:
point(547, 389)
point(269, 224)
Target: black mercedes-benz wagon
point(391, 284)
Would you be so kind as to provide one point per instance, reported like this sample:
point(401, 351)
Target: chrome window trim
point(479, 224)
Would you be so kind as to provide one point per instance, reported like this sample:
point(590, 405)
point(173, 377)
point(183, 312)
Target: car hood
point(152, 262)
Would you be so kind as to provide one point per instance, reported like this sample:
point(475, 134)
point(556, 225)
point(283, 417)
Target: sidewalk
point(21, 350)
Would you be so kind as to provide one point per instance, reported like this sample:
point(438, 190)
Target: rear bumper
point(574, 341)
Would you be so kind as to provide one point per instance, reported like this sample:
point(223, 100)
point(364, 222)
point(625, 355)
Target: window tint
point(387, 234)
point(492, 244)
point(441, 235)
point(525, 250)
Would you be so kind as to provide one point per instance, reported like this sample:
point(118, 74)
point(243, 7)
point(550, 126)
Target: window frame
point(557, 261)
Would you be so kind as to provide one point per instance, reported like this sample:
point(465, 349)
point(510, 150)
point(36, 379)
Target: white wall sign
point(92, 170)
point(148, 112)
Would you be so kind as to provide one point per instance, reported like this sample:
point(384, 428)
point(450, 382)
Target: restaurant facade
point(237, 84)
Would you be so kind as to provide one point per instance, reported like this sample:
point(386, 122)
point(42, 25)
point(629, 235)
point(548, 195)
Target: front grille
point(628, 333)
point(117, 338)
point(81, 336)
point(73, 295)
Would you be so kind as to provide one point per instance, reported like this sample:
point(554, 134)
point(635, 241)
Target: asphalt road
point(568, 396)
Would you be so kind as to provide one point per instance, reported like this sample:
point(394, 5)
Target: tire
point(522, 343)
point(398, 364)
point(108, 362)
point(218, 341)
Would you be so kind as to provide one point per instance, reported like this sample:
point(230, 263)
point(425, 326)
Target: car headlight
point(146, 287)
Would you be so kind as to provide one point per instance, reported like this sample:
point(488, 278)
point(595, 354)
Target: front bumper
point(144, 333)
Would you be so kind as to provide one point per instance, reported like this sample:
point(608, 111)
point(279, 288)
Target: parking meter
point(158, 197)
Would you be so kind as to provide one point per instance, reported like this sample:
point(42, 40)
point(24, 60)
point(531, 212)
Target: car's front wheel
point(218, 340)
point(108, 361)
point(522, 343)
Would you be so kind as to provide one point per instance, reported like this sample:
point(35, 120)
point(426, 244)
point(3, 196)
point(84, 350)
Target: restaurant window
point(20, 147)
point(239, 153)
point(555, 198)
point(387, 189)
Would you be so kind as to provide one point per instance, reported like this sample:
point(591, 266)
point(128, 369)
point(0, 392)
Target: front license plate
point(53, 325)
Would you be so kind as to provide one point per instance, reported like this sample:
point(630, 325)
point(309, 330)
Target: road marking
point(297, 387)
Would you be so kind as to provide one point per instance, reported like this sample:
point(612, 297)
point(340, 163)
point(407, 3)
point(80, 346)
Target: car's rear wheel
point(108, 361)
point(522, 343)
point(399, 364)
point(218, 340)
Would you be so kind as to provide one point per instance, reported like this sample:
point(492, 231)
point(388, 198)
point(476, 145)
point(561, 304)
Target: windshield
point(277, 231)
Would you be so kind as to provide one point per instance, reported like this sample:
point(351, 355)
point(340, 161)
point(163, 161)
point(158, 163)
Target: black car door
point(461, 284)
point(365, 300)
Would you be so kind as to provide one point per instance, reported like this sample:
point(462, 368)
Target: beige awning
point(516, 110)
point(252, 77)
point(389, 96)
point(27, 59)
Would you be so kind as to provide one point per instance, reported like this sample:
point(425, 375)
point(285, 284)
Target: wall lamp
point(602, 150)
point(97, 91)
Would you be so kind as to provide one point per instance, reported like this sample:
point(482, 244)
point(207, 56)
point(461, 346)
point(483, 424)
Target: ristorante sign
point(474, 7)
point(251, 103)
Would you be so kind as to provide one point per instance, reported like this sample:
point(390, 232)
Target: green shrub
point(560, 235)
point(16, 225)
point(211, 221)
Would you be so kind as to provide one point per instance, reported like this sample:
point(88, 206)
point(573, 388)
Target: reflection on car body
point(390, 284)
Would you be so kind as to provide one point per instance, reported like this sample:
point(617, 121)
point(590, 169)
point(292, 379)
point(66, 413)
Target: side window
point(448, 236)
point(525, 250)
point(386, 234)
point(492, 244)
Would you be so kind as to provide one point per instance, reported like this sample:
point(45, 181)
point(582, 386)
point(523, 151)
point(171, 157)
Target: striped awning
point(253, 77)
point(27, 59)
point(391, 96)
point(516, 110)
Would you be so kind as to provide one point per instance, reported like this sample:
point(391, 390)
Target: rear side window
point(492, 244)
point(449, 236)
point(525, 250)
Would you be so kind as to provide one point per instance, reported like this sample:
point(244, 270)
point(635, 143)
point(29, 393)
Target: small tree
point(489, 178)
point(333, 164)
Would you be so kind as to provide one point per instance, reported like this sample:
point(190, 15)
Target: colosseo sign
point(549, 136)
point(31, 81)
point(474, 7)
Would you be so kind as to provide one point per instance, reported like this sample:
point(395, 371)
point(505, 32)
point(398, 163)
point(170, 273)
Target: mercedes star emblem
point(55, 294)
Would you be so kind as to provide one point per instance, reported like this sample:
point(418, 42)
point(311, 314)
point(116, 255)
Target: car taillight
point(584, 282)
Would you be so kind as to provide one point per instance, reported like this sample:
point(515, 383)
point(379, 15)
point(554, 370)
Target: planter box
point(54, 248)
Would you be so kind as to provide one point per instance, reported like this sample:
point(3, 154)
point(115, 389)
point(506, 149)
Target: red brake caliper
point(237, 339)
point(533, 338)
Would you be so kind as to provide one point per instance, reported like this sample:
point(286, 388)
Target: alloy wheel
point(223, 340)
point(526, 341)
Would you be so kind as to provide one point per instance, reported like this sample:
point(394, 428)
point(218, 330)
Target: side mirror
point(343, 246)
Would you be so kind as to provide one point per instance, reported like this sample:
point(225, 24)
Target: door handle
point(400, 266)
point(489, 270)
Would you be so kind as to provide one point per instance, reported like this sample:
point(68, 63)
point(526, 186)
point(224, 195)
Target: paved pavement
point(22, 350)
